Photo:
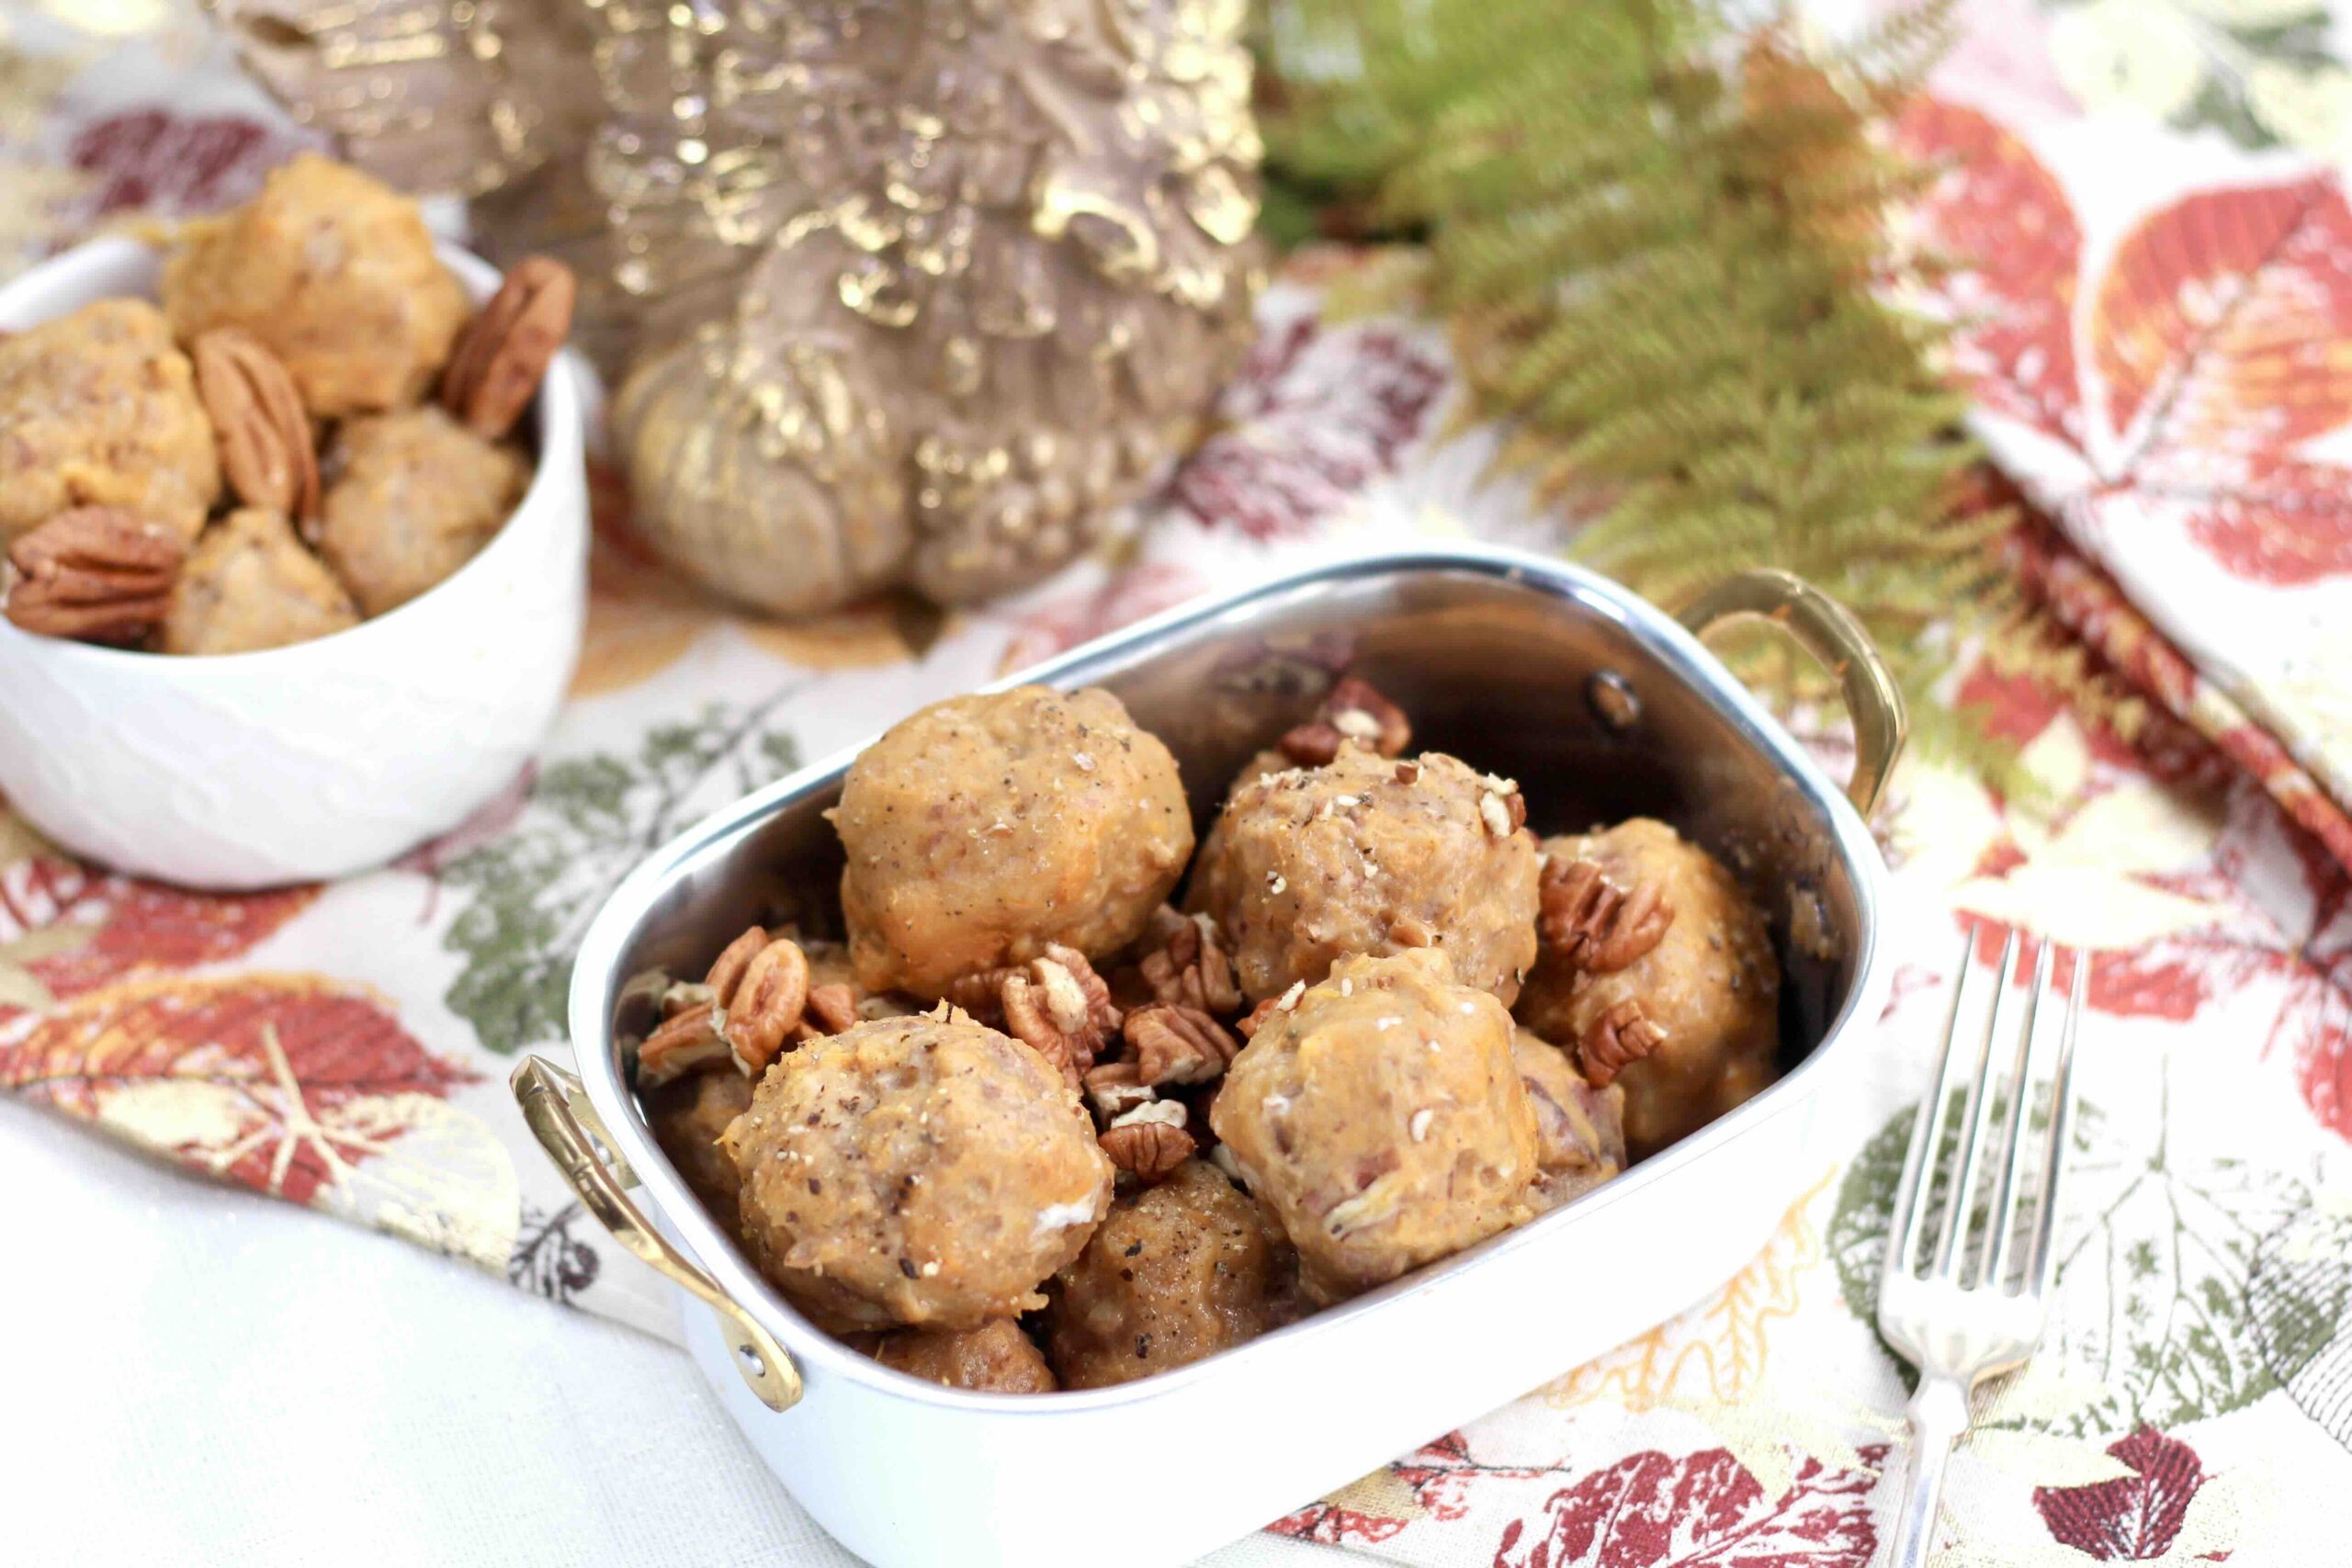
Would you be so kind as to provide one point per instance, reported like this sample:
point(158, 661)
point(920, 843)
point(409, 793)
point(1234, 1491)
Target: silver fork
point(1974, 1306)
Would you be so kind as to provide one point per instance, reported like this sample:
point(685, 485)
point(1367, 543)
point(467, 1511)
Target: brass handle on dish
point(556, 1107)
point(1829, 631)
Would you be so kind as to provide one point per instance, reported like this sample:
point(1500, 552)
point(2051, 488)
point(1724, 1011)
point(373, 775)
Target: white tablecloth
point(198, 1375)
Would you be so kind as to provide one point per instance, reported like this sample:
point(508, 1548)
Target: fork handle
point(1939, 1413)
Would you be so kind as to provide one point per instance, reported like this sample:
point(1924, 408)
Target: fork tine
point(1959, 1197)
point(2062, 1113)
point(2009, 1195)
point(1910, 1210)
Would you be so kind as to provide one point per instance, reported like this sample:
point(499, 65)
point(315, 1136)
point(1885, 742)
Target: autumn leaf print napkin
point(2154, 284)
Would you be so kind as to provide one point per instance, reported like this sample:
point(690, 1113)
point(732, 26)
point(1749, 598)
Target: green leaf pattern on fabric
point(589, 822)
point(2153, 1305)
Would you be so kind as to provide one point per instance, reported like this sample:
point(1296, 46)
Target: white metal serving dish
point(301, 763)
point(1521, 665)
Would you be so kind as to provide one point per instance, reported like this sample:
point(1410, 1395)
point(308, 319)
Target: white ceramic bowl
point(312, 761)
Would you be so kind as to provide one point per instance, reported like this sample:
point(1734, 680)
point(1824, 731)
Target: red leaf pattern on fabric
point(2087, 603)
point(1440, 1477)
point(1129, 597)
point(2213, 335)
point(1650, 1511)
point(1328, 1524)
point(290, 1051)
point(2016, 299)
point(2132, 1518)
point(134, 927)
point(2215, 324)
point(170, 164)
point(2317, 1026)
point(2285, 522)
point(1316, 413)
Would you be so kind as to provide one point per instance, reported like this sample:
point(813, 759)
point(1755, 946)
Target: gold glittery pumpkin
point(427, 94)
point(1011, 262)
point(909, 292)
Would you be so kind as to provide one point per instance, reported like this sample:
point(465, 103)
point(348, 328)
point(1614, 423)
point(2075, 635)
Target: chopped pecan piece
point(1353, 710)
point(1193, 969)
point(690, 1043)
point(685, 996)
point(1149, 1142)
point(1179, 1044)
point(1616, 1040)
point(1248, 1026)
point(832, 1009)
point(506, 350)
point(1589, 922)
point(1115, 1089)
point(1501, 808)
point(1028, 1018)
point(94, 573)
point(981, 993)
point(259, 421)
point(639, 1010)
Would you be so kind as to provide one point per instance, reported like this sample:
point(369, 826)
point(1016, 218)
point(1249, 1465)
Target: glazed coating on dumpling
point(98, 409)
point(1580, 1130)
point(919, 1170)
point(995, 1358)
point(1712, 985)
point(334, 273)
point(250, 585)
point(1178, 1271)
point(413, 497)
point(1382, 1119)
point(688, 1115)
point(1371, 855)
point(983, 829)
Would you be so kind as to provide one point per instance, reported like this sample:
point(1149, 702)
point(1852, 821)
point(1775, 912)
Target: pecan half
point(1178, 1044)
point(690, 1043)
point(1193, 969)
point(763, 1006)
point(1055, 1004)
point(258, 421)
point(727, 969)
point(1353, 710)
point(1615, 1041)
point(1149, 1142)
point(742, 1015)
point(506, 350)
point(1591, 923)
point(94, 573)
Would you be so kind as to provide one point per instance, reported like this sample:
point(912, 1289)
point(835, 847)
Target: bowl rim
point(558, 415)
point(820, 1355)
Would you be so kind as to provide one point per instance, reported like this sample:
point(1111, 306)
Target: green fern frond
point(1659, 242)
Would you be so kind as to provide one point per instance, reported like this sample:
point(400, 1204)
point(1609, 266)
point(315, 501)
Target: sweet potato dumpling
point(995, 1358)
point(982, 829)
point(1695, 1014)
point(920, 1170)
point(1369, 855)
point(335, 272)
point(1380, 1116)
point(1178, 1271)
